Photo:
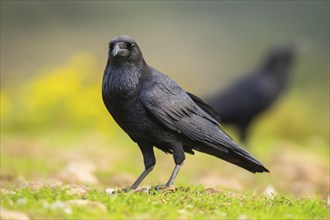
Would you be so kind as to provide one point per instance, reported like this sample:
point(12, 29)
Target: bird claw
point(152, 189)
point(117, 191)
point(149, 190)
point(144, 189)
point(160, 187)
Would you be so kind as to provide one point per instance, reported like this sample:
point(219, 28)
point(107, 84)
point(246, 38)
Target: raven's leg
point(179, 157)
point(243, 130)
point(149, 162)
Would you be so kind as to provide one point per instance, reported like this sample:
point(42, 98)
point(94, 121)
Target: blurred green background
point(52, 59)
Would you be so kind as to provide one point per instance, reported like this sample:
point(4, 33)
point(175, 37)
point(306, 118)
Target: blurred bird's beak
point(116, 51)
point(119, 51)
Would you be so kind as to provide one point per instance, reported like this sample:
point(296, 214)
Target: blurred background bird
point(245, 99)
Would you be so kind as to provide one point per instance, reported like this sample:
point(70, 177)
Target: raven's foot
point(118, 191)
point(150, 190)
point(158, 188)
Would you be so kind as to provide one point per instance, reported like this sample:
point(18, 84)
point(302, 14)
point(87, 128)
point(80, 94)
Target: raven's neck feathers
point(121, 80)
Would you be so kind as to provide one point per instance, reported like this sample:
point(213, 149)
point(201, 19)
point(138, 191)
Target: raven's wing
point(172, 106)
point(206, 107)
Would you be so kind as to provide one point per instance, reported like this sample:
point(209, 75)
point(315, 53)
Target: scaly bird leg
point(179, 157)
point(149, 162)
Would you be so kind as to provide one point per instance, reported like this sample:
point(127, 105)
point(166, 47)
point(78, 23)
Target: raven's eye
point(129, 46)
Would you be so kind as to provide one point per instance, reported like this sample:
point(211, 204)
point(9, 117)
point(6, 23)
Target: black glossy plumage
point(248, 97)
point(156, 112)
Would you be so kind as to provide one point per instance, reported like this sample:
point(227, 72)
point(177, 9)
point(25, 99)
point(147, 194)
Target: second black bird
point(243, 101)
point(156, 112)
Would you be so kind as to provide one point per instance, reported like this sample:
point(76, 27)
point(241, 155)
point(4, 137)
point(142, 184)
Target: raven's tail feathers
point(237, 156)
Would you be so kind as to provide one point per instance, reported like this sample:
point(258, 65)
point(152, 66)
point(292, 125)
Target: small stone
point(109, 191)
point(78, 172)
point(269, 191)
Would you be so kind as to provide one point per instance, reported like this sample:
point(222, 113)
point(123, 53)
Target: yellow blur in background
point(67, 96)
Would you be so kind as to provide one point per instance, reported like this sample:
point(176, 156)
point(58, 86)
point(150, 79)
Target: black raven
point(156, 112)
point(244, 100)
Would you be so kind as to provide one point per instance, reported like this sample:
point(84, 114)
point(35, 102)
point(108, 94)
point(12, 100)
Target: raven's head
point(124, 49)
point(280, 59)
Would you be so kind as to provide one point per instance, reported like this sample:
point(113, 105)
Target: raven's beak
point(116, 51)
point(119, 51)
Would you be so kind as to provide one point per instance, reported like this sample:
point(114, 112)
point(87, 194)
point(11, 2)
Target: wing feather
point(175, 109)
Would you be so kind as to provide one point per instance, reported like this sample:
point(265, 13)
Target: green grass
point(183, 202)
point(28, 165)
